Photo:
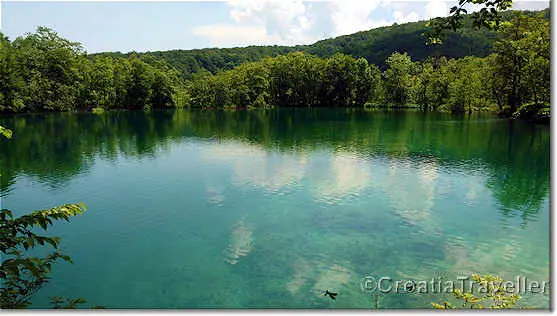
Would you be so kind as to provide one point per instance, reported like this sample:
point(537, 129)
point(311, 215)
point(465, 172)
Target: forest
point(44, 72)
point(374, 45)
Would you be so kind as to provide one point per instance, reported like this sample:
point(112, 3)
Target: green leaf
point(5, 132)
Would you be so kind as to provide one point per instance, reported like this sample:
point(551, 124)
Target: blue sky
point(152, 26)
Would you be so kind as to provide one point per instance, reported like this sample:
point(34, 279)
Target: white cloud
point(348, 176)
point(350, 16)
point(262, 22)
point(227, 35)
point(436, 8)
point(472, 7)
point(402, 18)
point(530, 5)
point(254, 166)
point(243, 10)
point(270, 176)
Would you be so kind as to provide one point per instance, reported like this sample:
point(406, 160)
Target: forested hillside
point(189, 62)
point(378, 44)
point(513, 80)
point(375, 46)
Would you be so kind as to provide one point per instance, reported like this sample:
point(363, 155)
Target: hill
point(374, 45)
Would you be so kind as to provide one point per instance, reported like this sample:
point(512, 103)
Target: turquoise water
point(254, 209)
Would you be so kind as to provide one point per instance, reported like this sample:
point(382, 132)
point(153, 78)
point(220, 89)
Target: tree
point(366, 81)
point(48, 65)
point(398, 78)
point(431, 85)
point(340, 78)
point(467, 90)
point(11, 82)
point(139, 86)
point(161, 91)
point(522, 61)
point(96, 79)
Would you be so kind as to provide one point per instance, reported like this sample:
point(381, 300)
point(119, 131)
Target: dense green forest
point(375, 46)
point(44, 72)
point(514, 79)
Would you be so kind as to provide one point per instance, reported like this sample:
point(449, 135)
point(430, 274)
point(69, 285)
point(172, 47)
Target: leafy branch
point(489, 17)
point(21, 275)
point(5, 132)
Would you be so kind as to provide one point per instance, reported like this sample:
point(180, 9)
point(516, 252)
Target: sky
point(155, 25)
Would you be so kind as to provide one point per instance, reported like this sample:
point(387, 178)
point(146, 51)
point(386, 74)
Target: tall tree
point(522, 61)
point(48, 64)
point(398, 78)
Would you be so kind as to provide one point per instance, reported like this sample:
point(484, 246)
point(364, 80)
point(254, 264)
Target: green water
point(267, 209)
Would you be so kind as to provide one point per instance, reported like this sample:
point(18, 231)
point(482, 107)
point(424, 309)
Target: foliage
point(301, 80)
point(467, 91)
point(436, 83)
point(294, 80)
point(533, 111)
point(213, 60)
point(398, 78)
point(5, 132)
point(22, 275)
point(374, 45)
point(431, 84)
point(522, 62)
point(492, 294)
point(489, 17)
point(43, 72)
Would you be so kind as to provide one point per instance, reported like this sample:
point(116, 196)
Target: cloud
point(436, 8)
point(262, 22)
point(269, 175)
point(292, 22)
point(348, 176)
point(253, 166)
point(351, 16)
point(530, 5)
point(402, 18)
point(226, 35)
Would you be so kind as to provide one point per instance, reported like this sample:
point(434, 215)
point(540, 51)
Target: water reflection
point(344, 175)
point(316, 276)
point(56, 147)
point(241, 242)
point(215, 195)
point(254, 166)
point(289, 201)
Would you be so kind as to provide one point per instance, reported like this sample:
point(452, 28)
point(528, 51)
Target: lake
point(257, 209)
